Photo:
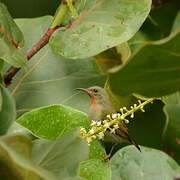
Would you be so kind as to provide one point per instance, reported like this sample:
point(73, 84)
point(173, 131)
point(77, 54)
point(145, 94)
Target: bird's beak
point(85, 90)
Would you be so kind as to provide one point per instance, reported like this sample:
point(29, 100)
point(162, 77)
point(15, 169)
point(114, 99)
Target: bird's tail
point(134, 143)
point(123, 132)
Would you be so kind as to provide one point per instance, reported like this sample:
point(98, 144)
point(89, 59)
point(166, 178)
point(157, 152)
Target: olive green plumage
point(101, 106)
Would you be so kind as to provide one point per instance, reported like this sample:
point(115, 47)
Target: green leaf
point(53, 121)
point(97, 151)
point(100, 26)
point(157, 26)
point(1, 65)
point(10, 38)
point(11, 55)
point(130, 164)
point(9, 27)
point(113, 57)
point(18, 129)
point(95, 169)
point(62, 156)
point(8, 110)
point(176, 24)
point(152, 71)
point(156, 23)
point(148, 55)
point(48, 79)
point(15, 160)
point(1, 101)
point(75, 178)
point(172, 113)
point(171, 132)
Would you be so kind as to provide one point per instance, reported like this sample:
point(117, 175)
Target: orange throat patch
point(93, 102)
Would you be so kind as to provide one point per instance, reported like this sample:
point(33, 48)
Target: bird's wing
point(122, 131)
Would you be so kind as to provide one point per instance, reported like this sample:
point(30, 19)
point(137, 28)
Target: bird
point(101, 106)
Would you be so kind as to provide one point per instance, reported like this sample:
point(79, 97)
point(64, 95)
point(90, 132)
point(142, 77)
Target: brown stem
point(11, 72)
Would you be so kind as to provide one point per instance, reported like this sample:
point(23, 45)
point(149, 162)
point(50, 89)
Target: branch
point(11, 72)
point(58, 19)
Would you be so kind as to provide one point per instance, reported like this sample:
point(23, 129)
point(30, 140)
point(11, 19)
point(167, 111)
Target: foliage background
point(157, 128)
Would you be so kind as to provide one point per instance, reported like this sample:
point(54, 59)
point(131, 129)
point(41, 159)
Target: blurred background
point(35, 8)
point(31, 8)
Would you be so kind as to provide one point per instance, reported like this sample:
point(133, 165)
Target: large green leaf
point(152, 71)
point(48, 79)
point(15, 160)
point(101, 25)
point(7, 110)
point(62, 156)
point(52, 121)
point(153, 67)
point(10, 38)
point(130, 164)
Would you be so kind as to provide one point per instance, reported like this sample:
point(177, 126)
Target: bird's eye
point(95, 90)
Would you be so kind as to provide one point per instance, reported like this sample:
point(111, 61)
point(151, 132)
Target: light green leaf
point(18, 129)
point(95, 169)
point(11, 55)
point(15, 160)
point(62, 156)
point(10, 38)
point(172, 99)
point(8, 110)
point(97, 151)
point(101, 25)
point(75, 178)
point(130, 164)
point(171, 133)
point(152, 71)
point(176, 24)
point(172, 114)
point(53, 121)
point(9, 27)
point(48, 79)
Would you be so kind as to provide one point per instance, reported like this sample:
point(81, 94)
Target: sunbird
point(101, 106)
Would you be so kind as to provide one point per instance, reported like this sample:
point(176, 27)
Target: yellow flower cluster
point(98, 128)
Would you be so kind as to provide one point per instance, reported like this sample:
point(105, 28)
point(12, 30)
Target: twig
point(11, 72)
point(58, 19)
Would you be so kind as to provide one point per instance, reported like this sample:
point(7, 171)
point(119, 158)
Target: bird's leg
point(108, 156)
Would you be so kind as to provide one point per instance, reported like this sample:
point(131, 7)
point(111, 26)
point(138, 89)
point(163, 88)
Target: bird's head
point(97, 94)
